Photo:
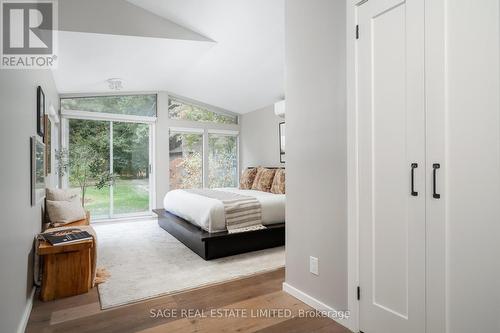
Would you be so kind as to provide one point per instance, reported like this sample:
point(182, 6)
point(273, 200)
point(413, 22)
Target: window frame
point(93, 115)
point(230, 133)
point(64, 180)
point(207, 107)
point(164, 121)
point(205, 133)
point(186, 130)
point(67, 115)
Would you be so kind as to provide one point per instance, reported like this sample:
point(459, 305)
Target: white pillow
point(63, 212)
point(55, 194)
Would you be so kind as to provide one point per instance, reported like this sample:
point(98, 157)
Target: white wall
point(259, 139)
point(472, 167)
point(316, 149)
point(20, 221)
point(113, 17)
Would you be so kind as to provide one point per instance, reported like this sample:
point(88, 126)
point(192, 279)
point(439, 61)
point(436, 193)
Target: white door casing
point(391, 137)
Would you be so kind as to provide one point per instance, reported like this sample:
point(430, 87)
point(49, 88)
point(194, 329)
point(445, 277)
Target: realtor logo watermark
point(28, 34)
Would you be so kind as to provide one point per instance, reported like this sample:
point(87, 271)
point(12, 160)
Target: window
point(178, 109)
point(186, 160)
point(134, 105)
point(222, 160)
point(204, 149)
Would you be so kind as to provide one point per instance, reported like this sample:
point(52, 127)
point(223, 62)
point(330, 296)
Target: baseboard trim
point(26, 314)
point(317, 305)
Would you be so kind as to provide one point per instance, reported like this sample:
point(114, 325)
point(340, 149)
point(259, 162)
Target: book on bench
point(65, 236)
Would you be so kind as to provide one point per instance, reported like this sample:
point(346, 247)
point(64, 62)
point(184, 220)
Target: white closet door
point(391, 139)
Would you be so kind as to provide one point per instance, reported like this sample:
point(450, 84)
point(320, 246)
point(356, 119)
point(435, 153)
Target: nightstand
point(66, 269)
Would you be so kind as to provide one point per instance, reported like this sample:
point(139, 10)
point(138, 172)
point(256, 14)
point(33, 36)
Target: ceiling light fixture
point(115, 83)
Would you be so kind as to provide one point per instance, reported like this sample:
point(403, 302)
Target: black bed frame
point(220, 244)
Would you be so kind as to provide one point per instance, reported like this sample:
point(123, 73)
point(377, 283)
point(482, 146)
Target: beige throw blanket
point(243, 212)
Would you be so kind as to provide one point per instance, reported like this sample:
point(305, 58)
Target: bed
point(208, 213)
point(199, 222)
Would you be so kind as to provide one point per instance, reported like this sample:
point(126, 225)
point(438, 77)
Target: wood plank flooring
point(242, 303)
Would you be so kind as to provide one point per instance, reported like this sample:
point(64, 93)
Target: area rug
point(144, 261)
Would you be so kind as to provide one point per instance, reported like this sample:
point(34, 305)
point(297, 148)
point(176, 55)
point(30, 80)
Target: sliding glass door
point(111, 164)
point(131, 168)
point(89, 150)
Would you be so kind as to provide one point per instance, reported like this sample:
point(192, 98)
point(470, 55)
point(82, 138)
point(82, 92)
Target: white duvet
point(208, 213)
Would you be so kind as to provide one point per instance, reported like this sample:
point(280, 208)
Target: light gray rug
point(145, 262)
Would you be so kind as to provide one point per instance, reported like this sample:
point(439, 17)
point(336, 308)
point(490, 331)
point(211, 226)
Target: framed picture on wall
point(37, 149)
point(48, 146)
point(282, 141)
point(40, 112)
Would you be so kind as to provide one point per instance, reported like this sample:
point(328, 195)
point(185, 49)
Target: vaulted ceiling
point(227, 53)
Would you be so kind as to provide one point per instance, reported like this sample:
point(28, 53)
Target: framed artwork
point(37, 149)
point(48, 145)
point(40, 112)
point(282, 141)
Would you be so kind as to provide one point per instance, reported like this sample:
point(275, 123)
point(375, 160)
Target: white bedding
point(208, 213)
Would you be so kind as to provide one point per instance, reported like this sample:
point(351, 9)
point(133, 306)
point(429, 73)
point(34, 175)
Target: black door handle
point(413, 167)
point(435, 166)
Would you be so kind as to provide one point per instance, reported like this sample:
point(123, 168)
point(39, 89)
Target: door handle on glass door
point(435, 166)
point(413, 167)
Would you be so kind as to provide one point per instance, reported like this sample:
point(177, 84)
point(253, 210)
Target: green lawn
point(130, 196)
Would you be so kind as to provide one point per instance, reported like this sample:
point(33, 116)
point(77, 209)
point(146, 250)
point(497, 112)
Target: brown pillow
point(278, 186)
point(247, 178)
point(263, 179)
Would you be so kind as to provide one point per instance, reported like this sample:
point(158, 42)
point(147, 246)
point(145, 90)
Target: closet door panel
point(391, 139)
point(389, 162)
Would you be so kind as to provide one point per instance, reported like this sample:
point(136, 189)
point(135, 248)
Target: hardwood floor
point(244, 303)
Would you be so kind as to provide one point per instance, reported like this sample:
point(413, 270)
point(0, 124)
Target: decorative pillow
point(263, 179)
point(55, 194)
point(64, 212)
point(247, 178)
point(278, 186)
